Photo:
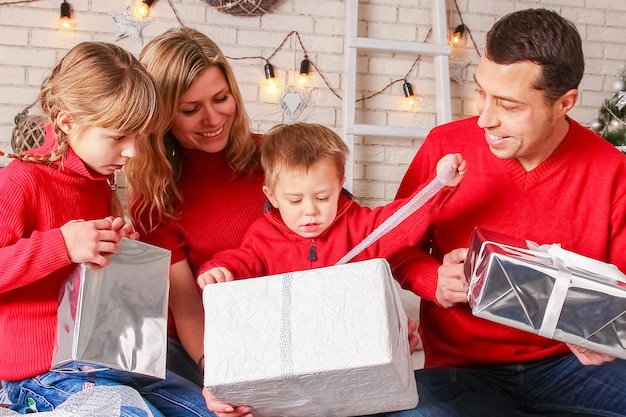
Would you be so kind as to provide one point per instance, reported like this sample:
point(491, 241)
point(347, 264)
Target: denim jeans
point(179, 362)
point(172, 397)
point(555, 388)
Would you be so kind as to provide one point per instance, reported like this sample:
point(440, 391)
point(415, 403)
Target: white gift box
point(323, 342)
point(116, 317)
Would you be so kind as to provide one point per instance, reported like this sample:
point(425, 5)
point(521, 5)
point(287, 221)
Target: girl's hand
point(123, 228)
point(88, 241)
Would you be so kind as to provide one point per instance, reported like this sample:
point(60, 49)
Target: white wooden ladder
point(438, 49)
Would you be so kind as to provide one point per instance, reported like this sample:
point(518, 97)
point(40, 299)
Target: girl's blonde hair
point(99, 84)
point(299, 146)
point(175, 59)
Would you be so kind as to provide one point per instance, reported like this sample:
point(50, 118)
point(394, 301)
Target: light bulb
point(271, 86)
point(458, 35)
point(304, 78)
point(270, 78)
point(409, 96)
point(142, 8)
point(66, 15)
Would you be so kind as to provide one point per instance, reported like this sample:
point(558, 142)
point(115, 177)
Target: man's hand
point(589, 357)
point(451, 284)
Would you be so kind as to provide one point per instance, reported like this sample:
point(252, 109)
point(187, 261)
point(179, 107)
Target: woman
point(199, 197)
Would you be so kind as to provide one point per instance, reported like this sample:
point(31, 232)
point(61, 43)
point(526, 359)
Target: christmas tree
point(611, 124)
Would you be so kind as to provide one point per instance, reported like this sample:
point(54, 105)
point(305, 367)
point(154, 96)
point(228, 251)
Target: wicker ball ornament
point(29, 132)
point(243, 7)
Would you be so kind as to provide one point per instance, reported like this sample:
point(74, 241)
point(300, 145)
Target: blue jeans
point(172, 397)
point(179, 362)
point(556, 388)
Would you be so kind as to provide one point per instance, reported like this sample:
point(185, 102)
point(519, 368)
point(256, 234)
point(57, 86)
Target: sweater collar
point(556, 160)
point(70, 163)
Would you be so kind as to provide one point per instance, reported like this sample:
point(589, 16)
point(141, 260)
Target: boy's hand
point(457, 163)
point(214, 275)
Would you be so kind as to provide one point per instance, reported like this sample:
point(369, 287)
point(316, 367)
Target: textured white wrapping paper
point(323, 342)
point(116, 317)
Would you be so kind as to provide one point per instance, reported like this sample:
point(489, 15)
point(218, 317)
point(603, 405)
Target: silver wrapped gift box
point(323, 342)
point(548, 291)
point(116, 316)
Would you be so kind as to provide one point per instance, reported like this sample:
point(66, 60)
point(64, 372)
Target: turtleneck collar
point(70, 163)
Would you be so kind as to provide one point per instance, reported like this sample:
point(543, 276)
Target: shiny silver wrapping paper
point(547, 291)
point(116, 316)
point(323, 342)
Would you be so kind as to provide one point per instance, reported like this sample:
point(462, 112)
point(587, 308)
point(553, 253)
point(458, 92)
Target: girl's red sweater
point(35, 201)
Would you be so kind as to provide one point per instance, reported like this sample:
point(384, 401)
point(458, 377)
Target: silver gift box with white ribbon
point(116, 317)
point(548, 291)
point(323, 342)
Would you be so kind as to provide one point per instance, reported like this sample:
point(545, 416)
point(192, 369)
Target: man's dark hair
point(545, 38)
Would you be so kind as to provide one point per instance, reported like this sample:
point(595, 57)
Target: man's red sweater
point(577, 197)
point(35, 201)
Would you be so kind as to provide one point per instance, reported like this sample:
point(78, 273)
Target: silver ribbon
point(286, 364)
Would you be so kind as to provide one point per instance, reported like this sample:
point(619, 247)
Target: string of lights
point(142, 9)
point(16, 2)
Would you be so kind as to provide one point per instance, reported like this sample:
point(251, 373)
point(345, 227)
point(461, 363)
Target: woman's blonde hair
point(175, 59)
point(299, 146)
point(99, 84)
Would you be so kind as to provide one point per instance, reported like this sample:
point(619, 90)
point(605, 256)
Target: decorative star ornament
point(129, 25)
point(458, 70)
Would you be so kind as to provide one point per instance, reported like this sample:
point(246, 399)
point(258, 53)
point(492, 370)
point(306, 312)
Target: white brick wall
point(31, 43)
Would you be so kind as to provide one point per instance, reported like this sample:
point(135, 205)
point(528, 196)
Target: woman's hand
point(224, 409)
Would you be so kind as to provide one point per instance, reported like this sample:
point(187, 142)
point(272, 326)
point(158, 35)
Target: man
point(536, 174)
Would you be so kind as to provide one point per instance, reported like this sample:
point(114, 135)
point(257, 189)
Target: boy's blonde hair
point(175, 59)
point(299, 146)
point(99, 84)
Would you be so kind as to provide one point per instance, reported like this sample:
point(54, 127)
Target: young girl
point(59, 208)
